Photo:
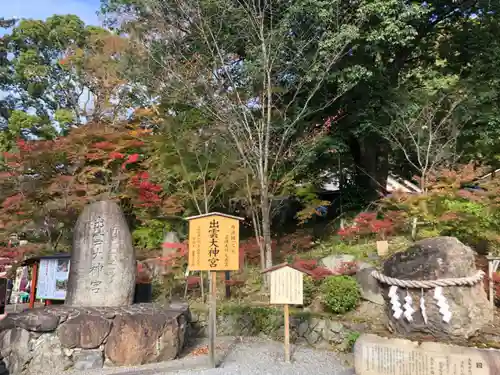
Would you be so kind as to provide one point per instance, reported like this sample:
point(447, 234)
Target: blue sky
point(41, 9)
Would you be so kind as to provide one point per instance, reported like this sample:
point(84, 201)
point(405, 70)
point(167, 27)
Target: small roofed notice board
point(214, 242)
point(286, 285)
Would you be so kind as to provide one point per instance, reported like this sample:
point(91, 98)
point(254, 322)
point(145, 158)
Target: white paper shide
point(396, 305)
point(408, 309)
point(444, 308)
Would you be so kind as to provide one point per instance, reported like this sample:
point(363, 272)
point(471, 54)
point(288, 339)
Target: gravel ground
point(248, 356)
point(262, 357)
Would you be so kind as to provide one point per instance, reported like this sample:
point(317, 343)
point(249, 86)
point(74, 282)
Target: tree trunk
point(371, 160)
point(266, 227)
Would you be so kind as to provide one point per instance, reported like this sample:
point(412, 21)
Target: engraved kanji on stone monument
point(103, 265)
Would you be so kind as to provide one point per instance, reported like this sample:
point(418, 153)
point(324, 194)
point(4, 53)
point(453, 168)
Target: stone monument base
point(57, 338)
point(375, 355)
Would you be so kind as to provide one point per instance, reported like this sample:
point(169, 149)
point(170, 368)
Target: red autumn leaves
point(367, 223)
point(79, 166)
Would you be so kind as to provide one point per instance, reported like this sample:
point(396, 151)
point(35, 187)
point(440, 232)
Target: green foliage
point(450, 208)
point(307, 195)
point(150, 235)
point(311, 289)
point(343, 77)
point(350, 340)
point(64, 118)
point(340, 294)
point(265, 320)
point(158, 290)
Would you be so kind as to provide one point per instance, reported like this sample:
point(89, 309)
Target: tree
point(98, 66)
point(41, 83)
point(194, 162)
point(47, 182)
point(5, 71)
point(59, 74)
point(473, 52)
point(248, 94)
point(426, 124)
point(399, 39)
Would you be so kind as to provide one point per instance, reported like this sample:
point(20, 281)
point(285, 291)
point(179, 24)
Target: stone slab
point(103, 266)
point(333, 262)
point(375, 355)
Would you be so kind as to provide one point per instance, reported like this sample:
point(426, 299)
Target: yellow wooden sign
point(214, 242)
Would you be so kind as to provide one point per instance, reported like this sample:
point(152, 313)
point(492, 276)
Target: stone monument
point(375, 355)
point(103, 265)
point(170, 246)
point(434, 288)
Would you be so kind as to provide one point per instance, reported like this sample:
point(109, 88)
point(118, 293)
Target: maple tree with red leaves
point(368, 224)
point(46, 183)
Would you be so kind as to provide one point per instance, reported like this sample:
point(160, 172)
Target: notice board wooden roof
point(214, 214)
point(282, 265)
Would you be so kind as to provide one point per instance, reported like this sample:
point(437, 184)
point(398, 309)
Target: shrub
point(311, 289)
point(350, 340)
point(340, 294)
point(453, 205)
point(295, 243)
point(305, 264)
point(159, 292)
point(250, 251)
point(311, 268)
point(373, 225)
point(265, 320)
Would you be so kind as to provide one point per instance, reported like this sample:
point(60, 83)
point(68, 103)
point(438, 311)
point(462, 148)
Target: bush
point(453, 204)
point(340, 294)
point(265, 320)
point(311, 289)
point(159, 291)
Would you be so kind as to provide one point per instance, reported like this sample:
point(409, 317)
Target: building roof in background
point(394, 183)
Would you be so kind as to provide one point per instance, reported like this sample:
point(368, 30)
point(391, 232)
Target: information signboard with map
point(52, 279)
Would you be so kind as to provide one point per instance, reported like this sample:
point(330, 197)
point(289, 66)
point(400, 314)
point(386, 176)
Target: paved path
point(249, 356)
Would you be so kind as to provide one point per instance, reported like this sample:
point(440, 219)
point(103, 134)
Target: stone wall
point(321, 332)
point(61, 337)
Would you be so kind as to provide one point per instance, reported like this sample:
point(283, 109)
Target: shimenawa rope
point(429, 284)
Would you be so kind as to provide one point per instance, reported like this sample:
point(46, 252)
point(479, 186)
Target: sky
point(41, 9)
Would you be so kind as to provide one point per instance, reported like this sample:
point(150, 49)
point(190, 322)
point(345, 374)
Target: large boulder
point(84, 331)
point(86, 338)
point(431, 259)
point(103, 265)
point(369, 286)
point(142, 338)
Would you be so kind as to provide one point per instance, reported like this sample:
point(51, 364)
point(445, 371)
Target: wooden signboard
point(287, 288)
point(214, 242)
point(213, 246)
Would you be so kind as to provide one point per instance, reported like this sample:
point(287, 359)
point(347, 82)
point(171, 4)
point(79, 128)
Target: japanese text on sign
point(213, 243)
point(213, 253)
point(97, 251)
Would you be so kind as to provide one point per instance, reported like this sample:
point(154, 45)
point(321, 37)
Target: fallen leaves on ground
point(202, 350)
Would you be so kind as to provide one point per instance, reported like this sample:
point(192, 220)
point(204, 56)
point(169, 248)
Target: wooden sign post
point(213, 246)
point(287, 288)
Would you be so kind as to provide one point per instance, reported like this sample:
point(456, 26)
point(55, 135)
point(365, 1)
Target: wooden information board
point(213, 246)
point(214, 242)
point(287, 288)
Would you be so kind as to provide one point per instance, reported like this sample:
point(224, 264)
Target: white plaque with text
point(375, 355)
point(287, 286)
